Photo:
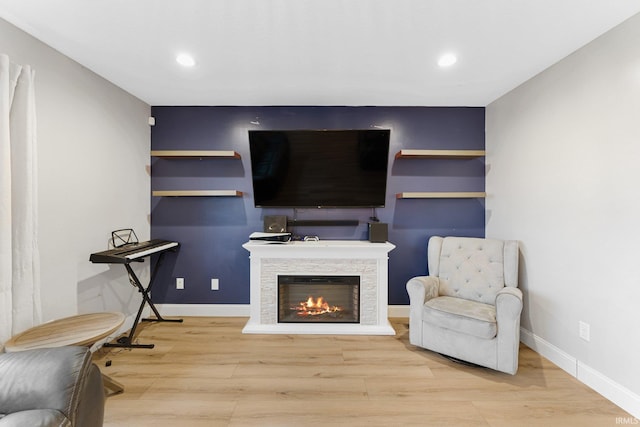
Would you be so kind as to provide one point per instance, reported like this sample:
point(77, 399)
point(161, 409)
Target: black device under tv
point(319, 168)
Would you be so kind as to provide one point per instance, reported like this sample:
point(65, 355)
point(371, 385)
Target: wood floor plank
point(355, 414)
point(330, 371)
point(205, 372)
point(544, 413)
point(275, 389)
point(168, 413)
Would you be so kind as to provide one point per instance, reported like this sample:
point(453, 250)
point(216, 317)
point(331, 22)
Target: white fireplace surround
point(367, 260)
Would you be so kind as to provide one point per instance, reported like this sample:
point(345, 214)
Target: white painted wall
point(93, 148)
point(563, 177)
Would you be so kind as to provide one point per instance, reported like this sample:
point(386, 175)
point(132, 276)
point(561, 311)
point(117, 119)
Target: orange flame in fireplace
point(315, 307)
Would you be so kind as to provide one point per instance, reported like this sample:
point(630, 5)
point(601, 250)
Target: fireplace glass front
point(319, 299)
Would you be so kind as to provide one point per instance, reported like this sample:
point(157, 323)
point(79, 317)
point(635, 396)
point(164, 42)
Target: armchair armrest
point(508, 303)
point(51, 384)
point(420, 289)
point(508, 309)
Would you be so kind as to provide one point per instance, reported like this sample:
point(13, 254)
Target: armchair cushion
point(465, 316)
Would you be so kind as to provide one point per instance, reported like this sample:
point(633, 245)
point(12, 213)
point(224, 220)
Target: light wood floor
point(205, 372)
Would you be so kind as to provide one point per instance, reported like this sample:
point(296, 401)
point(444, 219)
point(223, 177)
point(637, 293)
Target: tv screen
point(319, 168)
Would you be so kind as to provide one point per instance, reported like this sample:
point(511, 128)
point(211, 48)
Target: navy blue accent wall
point(212, 230)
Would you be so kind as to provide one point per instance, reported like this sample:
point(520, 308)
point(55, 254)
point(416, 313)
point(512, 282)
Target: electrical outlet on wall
point(215, 284)
point(179, 282)
point(584, 330)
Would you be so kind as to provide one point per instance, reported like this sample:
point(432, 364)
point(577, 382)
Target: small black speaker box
point(378, 232)
point(275, 223)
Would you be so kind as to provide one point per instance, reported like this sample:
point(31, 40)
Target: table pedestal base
point(111, 386)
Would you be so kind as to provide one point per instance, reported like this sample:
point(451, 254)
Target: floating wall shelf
point(196, 193)
point(199, 154)
point(442, 195)
point(181, 154)
point(439, 154)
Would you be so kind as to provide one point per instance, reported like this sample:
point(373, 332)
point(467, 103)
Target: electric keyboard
point(124, 255)
point(132, 251)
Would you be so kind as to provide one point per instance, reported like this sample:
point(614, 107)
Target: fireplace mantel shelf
point(326, 248)
point(325, 257)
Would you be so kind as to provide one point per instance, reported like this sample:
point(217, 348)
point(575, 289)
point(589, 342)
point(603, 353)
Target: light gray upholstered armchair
point(469, 306)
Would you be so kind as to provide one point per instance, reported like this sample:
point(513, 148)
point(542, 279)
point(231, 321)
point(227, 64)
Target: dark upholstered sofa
point(51, 387)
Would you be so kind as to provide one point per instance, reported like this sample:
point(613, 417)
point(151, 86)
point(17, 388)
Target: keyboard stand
point(127, 341)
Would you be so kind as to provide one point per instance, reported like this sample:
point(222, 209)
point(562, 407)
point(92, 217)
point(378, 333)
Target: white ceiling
point(317, 52)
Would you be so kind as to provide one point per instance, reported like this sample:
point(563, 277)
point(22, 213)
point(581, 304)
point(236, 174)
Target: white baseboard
point(621, 396)
point(214, 310)
point(544, 348)
point(399, 311)
point(611, 390)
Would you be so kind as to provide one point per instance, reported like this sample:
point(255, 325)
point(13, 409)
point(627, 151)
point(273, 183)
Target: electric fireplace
point(323, 287)
point(318, 299)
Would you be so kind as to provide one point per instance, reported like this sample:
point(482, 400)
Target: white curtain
point(20, 306)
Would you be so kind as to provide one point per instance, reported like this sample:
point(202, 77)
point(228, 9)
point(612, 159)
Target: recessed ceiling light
point(185, 60)
point(447, 60)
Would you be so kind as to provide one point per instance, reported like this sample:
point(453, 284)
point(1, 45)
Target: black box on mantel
point(275, 223)
point(378, 232)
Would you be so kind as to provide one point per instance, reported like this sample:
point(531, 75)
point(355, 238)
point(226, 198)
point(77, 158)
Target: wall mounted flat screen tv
point(319, 168)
